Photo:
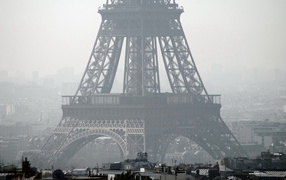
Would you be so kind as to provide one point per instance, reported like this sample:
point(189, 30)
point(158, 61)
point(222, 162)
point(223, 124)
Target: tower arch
point(73, 144)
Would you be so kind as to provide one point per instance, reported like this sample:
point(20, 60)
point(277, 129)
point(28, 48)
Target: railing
point(156, 99)
point(111, 5)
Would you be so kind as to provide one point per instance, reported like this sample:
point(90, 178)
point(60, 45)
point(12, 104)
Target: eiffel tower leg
point(63, 158)
point(184, 78)
point(135, 137)
point(153, 143)
point(102, 65)
point(213, 135)
point(59, 135)
point(141, 66)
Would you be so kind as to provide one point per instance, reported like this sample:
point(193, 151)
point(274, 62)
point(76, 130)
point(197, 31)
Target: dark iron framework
point(141, 118)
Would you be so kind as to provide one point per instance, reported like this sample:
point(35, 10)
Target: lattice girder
point(73, 131)
point(141, 74)
point(133, 66)
point(92, 132)
point(141, 66)
point(171, 65)
point(101, 69)
point(141, 113)
point(131, 2)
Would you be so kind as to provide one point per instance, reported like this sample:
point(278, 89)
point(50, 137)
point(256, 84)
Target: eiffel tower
point(141, 118)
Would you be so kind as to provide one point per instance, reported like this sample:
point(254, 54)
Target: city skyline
point(45, 110)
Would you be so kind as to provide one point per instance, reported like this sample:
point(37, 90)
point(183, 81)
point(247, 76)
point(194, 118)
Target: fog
point(48, 35)
point(238, 46)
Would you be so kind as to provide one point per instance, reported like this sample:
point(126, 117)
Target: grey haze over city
point(48, 35)
point(238, 47)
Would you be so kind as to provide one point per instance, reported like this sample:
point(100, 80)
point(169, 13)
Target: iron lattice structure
point(141, 118)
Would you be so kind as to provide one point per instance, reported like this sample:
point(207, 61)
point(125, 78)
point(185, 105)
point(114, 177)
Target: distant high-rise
point(3, 76)
point(65, 75)
point(35, 77)
point(280, 75)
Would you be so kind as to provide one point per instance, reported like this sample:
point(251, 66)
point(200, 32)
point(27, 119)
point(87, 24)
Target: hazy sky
point(47, 35)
